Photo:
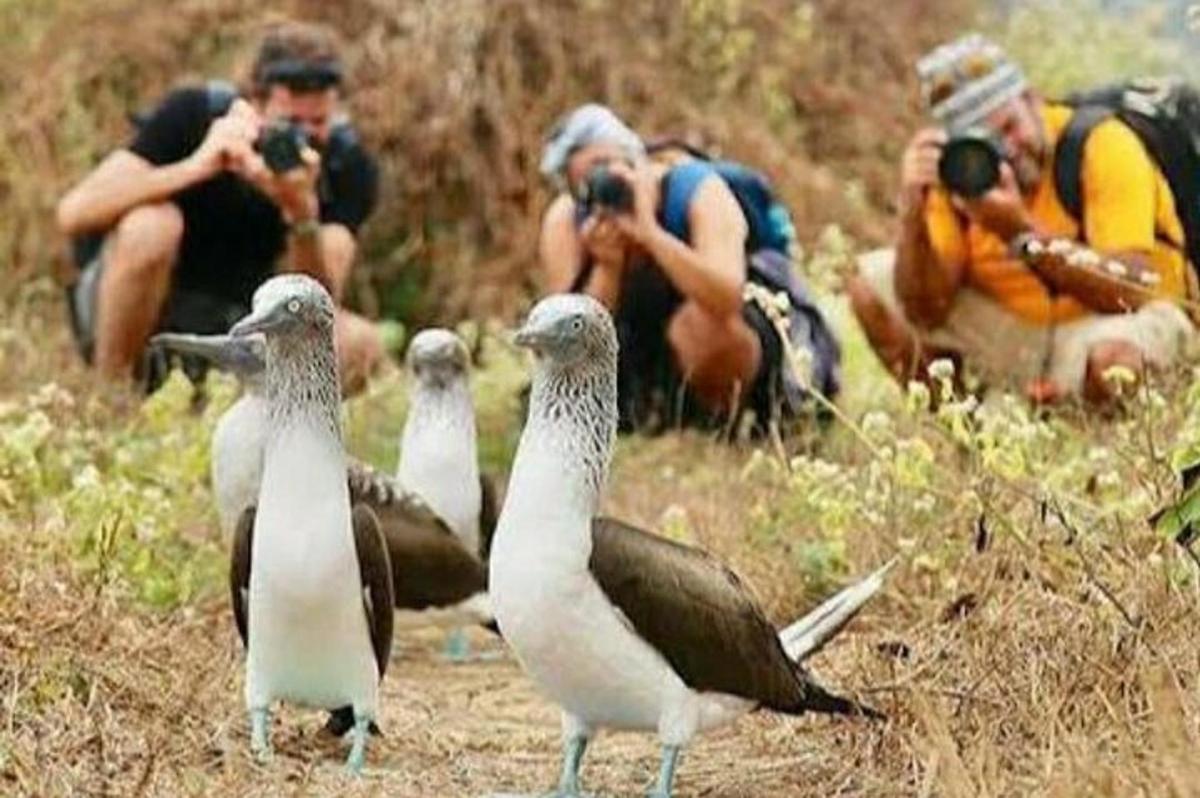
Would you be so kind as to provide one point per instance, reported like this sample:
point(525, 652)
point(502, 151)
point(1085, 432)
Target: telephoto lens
point(604, 189)
point(281, 143)
point(970, 162)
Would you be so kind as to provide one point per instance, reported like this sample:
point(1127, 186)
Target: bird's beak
point(242, 356)
point(531, 336)
point(260, 321)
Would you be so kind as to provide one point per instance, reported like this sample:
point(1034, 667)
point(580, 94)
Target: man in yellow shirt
point(953, 287)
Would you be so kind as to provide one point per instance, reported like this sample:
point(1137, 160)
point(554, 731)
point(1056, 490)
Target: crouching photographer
point(670, 245)
point(1041, 244)
point(218, 190)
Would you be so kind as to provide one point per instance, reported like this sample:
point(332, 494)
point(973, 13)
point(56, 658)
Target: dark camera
point(281, 144)
point(970, 162)
point(604, 189)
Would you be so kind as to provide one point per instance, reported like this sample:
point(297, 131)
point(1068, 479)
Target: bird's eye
point(576, 324)
point(293, 306)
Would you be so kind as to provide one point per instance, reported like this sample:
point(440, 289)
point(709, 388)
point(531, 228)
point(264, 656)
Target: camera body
point(604, 189)
point(970, 162)
point(281, 144)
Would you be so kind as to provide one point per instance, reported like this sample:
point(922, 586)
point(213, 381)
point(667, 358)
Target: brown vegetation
point(456, 96)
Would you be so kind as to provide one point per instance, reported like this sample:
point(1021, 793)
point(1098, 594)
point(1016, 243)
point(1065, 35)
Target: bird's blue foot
point(458, 645)
point(568, 782)
point(358, 746)
point(666, 773)
point(260, 738)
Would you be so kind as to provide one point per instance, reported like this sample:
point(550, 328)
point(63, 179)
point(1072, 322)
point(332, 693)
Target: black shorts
point(654, 396)
point(185, 311)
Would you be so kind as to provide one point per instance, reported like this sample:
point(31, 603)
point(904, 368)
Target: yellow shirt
point(1127, 207)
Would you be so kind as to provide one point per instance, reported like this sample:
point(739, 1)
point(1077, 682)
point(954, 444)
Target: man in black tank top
point(693, 351)
point(177, 229)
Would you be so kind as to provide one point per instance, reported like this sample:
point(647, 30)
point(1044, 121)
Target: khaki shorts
point(1003, 348)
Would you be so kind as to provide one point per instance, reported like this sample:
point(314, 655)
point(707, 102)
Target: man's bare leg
point(719, 359)
point(139, 256)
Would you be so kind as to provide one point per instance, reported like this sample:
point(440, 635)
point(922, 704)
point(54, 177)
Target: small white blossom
point(942, 369)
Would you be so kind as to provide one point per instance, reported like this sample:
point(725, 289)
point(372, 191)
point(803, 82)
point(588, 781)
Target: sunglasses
point(303, 76)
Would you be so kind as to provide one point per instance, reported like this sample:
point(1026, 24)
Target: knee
point(147, 238)
point(1100, 383)
point(702, 343)
point(360, 350)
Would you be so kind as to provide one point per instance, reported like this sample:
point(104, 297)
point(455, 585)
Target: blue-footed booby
point(318, 591)
point(431, 569)
point(239, 436)
point(438, 459)
point(621, 628)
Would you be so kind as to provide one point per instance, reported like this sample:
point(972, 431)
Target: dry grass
point(1046, 664)
point(456, 96)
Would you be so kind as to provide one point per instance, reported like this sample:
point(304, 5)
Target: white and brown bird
point(621, 628)
point(310, 574)
point(431, 568)
point(439, 459)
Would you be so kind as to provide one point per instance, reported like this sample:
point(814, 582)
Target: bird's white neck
point(439, 459)
point(562, 461)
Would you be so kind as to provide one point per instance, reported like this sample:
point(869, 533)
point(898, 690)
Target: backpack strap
point(1068, 156)
point(220, 94)
point(681, 184)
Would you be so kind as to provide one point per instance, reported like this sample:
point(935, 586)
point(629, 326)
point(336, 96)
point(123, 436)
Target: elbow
point(727, 303)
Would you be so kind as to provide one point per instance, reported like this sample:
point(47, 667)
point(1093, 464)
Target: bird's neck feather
point(568, 440)
point(440, 424)
point(302, 383)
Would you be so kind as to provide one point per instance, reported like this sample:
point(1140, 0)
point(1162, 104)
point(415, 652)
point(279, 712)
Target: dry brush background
point(1038, 639)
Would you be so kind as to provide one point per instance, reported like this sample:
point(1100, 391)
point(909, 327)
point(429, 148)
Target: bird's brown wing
point(430, 566)
point(489, 514)
point(239, 573)
point(700, 617)
point(375, 571)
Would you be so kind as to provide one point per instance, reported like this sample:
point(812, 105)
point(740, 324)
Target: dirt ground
point(156, 710)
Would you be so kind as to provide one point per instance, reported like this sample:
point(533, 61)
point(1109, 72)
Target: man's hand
point(294, 191)
point(919, 166)
point(229, 143)
point(1002, 209)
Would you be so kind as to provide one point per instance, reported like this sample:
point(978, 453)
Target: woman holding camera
point(693, 350)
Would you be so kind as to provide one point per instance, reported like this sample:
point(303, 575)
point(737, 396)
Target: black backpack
point(1165, 115)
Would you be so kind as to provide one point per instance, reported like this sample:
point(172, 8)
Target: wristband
point(306, 227)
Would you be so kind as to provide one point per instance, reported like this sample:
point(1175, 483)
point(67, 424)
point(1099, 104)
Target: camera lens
point(603, 189)
point(281, 145)
point(970, 163)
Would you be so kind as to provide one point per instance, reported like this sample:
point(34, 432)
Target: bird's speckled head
point(288, 304)
point(566, 331)
point(294, 314)
point(437, 359)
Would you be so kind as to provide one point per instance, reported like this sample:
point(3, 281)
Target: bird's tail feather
point(809, 635)
point(818, 699)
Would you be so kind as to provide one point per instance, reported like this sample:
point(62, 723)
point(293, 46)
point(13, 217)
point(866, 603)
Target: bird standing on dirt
point(430, 566)
point(438, 450)
point(621, 628)
point(318, 607)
